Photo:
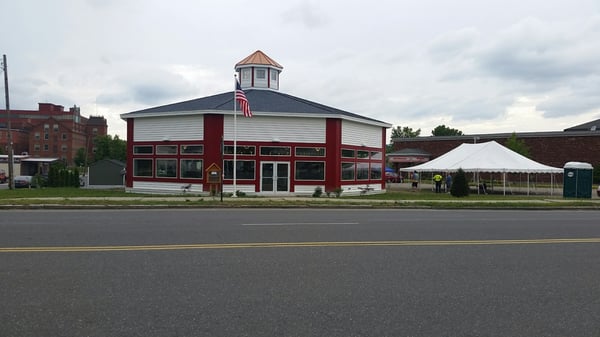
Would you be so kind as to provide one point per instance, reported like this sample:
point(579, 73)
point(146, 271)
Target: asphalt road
point(299, 272)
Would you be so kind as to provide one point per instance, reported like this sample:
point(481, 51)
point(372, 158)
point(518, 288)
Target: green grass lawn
point(65, 192)
point(397, 198)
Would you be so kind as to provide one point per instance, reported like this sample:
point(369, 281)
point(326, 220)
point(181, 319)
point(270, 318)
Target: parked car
point(2, 176)
point(23, 181)
point(392, 177)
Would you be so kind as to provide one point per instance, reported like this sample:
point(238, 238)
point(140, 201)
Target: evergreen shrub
point(460, 184)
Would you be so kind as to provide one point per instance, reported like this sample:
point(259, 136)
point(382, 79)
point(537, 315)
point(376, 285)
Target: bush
point(318, 192)
point(460, 184)
point(338, 191)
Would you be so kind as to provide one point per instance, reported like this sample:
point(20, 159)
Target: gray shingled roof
point(260, 101)
point(589, 126)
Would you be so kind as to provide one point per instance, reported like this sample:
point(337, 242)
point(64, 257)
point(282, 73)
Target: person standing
point(415, 180)
point(438, 182)
point(448, 182)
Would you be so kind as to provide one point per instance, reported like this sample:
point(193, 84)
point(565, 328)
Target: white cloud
point(471, 65)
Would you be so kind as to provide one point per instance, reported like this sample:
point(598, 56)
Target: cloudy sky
point(477, 66)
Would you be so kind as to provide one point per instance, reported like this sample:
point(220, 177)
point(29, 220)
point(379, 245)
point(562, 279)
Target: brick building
point(579, 143)
point(51, 131)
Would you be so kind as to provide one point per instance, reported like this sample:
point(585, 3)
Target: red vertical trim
point(129, 166)
point(213, 131)
point(333, 148)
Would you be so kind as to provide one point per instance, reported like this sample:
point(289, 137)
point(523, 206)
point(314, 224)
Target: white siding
point(356, 189)
point(346, 189)
point(169, 128)
point(238, 187)
point(164, 188)
point(361, 134)
point(283, 129)
point(307, 189)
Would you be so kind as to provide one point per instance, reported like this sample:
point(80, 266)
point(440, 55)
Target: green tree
point(404, 132)
point(80, 159)
point(443, 130)
point(108, 147)
point(401, 132)
point(460, 184)
point(517, 145)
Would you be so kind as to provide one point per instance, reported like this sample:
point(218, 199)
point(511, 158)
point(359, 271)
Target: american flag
point(240, 97)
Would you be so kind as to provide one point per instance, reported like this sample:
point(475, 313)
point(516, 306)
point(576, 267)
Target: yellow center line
point(292, 245)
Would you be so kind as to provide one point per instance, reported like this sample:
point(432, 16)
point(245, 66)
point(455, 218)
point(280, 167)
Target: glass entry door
point(275, 177)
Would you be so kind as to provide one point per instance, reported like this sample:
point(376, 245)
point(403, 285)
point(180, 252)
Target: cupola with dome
point(258, 71)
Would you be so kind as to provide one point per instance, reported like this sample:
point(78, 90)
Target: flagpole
point(234, 137)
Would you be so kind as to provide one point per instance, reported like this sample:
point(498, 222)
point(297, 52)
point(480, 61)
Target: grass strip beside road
point(91, 198)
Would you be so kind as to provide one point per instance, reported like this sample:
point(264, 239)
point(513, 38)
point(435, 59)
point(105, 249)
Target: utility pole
point(11, 178)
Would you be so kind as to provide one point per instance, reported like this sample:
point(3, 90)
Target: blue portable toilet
point(577, 180)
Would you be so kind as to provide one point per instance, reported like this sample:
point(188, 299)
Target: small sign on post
point(213, 178)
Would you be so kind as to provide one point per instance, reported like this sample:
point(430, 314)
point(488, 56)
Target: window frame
point(353, 166)
point(139, 147)
point(242, 150)
point(345, 153)
point(182, 166)
point(166, 150)
point(183, 149)
point(168, 168)
point(298, 170)
point(227, 170)
point(288, 148)
point(319, 151)
point(136, 167)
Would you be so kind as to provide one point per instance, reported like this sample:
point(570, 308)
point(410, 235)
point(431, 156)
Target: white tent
point(484, 157)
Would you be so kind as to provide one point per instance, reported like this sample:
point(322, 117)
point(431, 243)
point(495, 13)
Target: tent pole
point(504, 183)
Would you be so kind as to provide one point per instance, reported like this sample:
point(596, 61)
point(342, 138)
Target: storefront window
point(310, 152)
point(376, 171)
point(192, 149)
point(310, 170)
point(275, 151)
point(241, 150)
point(376, 155)
point(166, 168)
point(146, 149)
point(348, 153)
point(245, 169)
point(363, 154)
point(191, 168)
point(347, 171)
point(142, 167)
point(362, 171)
point(166, 149)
